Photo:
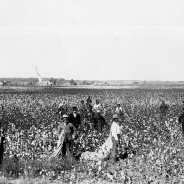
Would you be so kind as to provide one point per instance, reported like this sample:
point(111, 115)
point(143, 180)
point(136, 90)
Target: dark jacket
point(99, 122)
point(76, 121)
point(181, 118)
point(164, 108)
point(2, 148)
point(89, 101)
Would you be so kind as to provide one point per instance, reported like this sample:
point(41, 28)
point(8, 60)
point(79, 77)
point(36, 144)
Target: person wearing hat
point(89, 101)
point(74, 118)
point(68, 132)
point(119, 110)
point(62, 108)
point(82, 109)
point(115, 131)
point(82, 105)
point(97, 106)
point(90, 115)
point(109, 149)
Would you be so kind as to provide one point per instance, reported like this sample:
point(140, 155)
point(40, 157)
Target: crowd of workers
point(69, 124)
point(94, 114)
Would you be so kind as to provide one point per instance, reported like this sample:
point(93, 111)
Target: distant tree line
point(34, 81)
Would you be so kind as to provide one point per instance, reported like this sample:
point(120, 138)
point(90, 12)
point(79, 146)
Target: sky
point(92, 39)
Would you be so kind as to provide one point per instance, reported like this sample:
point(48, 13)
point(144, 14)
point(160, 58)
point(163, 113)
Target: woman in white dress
point(109, 148)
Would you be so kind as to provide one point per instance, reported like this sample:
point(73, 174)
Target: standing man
point(97, 106)
point(2, 141)
point(74, 118)
point(90, 115)
point(62, 109)
point(89, 101)
point(181, 120)
point(66, 135)
point(82, 109)
point(119, 110)
point(115, 133)
point(99, 122)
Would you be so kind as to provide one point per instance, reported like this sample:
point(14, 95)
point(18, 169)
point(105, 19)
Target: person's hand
point(73, 136)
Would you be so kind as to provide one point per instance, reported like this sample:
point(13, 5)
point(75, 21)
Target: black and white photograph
point(91, 91)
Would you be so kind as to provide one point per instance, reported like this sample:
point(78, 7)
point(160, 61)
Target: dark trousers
point(1, 155)
point(114, 150)
point(66, 147)
point(98, 127)
point(182, 124)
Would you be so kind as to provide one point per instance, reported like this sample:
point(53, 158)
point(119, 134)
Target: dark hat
point(115, 116)
point(74, 108)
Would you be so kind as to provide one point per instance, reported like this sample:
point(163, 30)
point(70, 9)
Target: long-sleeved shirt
point(70, 131)
point(97, 107)
point(115, 130)
point(119, 110)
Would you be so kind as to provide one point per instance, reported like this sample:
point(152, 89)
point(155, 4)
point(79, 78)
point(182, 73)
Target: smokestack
point(37, 72)
point(39, 79)
point(39, 76)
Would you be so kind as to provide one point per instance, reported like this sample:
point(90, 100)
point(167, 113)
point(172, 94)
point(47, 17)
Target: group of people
point(67, 133)
point(69, 124)
point(109, 148)
point(93, 113)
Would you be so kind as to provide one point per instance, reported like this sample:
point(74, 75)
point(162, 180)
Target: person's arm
point(116, 110)
point(94, 108)
point(60, 128)
point(118, 135)
point(74, 131)
point(103, 121)
point(179, 119)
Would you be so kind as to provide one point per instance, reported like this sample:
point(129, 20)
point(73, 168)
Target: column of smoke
point(39, 76)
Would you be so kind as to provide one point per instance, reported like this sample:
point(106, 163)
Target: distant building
point(45, 83)
point(23, 83)
point(1, 84)
point(66, 84)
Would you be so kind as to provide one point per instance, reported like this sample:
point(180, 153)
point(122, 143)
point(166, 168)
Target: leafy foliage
point(151, 147)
